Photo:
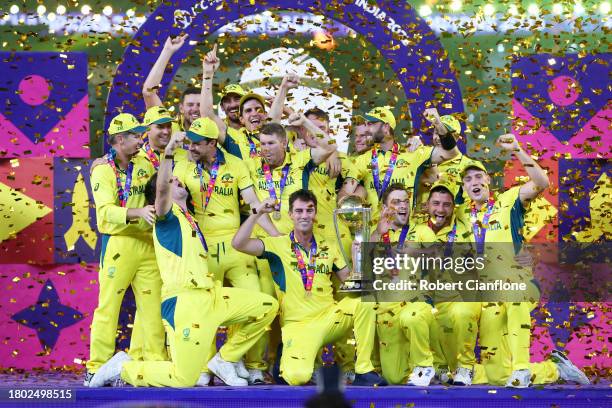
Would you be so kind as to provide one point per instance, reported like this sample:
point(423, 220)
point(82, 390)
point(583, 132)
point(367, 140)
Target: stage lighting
point(533, 9)
point(456, 5)
point(85, 10)
point(107, 10)
point(557, 9)
point(604, 7)
point(578, 9)
point(513, 10)
point(51, 16)
point(40, 10)
point(424, 10)
point(61, 10)
point(130, 12)
point(488, 9)
point(14, 9)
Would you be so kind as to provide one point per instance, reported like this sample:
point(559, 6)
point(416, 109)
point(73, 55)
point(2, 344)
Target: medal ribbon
point(195, 228)
point(151, 154)
point(270, 182)
point(480, 230)
point(252, 146)
point(122, 192)
point(448, 250)
point(376, 172)
point(211, 181)
point(307, 275)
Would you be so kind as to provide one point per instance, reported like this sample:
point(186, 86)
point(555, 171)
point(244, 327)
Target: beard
point(378, 136)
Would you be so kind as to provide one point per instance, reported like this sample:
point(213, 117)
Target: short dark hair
point(191, 90)
point(317, 113)
point(393, 187)
point(150, 193)
point(302, 195)
point(441, 189)
point(273, 128)
point(250, 98)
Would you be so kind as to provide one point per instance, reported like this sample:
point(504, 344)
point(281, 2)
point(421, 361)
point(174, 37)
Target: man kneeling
point(301, 264)
point(193, 305)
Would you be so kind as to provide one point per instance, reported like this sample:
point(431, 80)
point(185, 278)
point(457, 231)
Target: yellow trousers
point(404, 340)
point(505, 340)
point(125, 261)
point(240, 271)
point(191, 319)
point(302, 340)
point(456, 331)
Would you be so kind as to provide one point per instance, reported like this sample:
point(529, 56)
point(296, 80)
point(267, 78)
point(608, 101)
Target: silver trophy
point(352, 212)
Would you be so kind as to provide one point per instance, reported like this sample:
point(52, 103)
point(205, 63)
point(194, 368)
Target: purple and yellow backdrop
point(48, 242)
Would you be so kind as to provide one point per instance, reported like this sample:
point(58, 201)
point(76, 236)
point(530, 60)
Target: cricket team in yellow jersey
point(229, 222)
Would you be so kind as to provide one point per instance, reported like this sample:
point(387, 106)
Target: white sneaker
point(241, 370)
point(203, 381)
point(443, 376)
point(87, 379)
point(567, 370)
point(519, 379)
point(255, 377)
point(349, 377)
point(110, 371)
point(421, 376)
point(463, 376)
point(226, 372)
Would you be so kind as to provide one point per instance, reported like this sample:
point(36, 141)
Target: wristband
point(447, 141)
point(169, 156)
point(254, 210)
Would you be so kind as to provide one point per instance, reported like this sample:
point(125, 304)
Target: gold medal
point(276, 215)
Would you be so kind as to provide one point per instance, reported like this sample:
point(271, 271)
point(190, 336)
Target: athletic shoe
point(256, 377)
point(463, 376)
point(203, 381)
point(442, 376)
point(226, 371)
point(421, 376)
point(567, 370)
point(110, 371)
point(369, 379)
point(349, 377)
point(87, 379)
point(519, 379)
point(241, 370)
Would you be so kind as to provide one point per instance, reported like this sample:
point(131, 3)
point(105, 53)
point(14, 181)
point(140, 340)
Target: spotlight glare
point(557, 9)
point(51, 16)
point(604, 7)
point(456, 5)
point(14, 9)
point(488, 9)
point(425, 10)
point(130, 12)
point(533, 9)
point(40, 10)
point(107, 10)
point(86, 9)
point(61, 10)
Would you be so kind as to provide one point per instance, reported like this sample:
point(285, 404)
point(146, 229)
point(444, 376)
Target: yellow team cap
point(203, 128)
point(125, 122)
point(474, 165)
point(445, 183)
point(233, 89)
point(251, 95)
point(381, 114)
point(157, 115)
point(451, 123)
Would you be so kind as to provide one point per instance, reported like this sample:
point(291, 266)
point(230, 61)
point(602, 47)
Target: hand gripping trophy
point(352, 212)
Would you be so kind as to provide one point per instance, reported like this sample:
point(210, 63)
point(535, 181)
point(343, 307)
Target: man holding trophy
point(302, 263)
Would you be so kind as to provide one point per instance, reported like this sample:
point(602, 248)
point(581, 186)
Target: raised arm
point(242, 241)
point(276, 110)
point(163, 195)
point(448, 139)
point(538, 180)
point(249, 197)
point(325, 145)
point(209, 65)
point(151, 84)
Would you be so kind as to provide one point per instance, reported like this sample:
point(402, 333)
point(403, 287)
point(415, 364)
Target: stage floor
point(266, 396)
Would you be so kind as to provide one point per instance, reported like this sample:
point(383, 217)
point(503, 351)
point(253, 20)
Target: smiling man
point(159, 122)
point(302, 263)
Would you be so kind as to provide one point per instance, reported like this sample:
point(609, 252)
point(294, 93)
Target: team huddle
point(229, 222)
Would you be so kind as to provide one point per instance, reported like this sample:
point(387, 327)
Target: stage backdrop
point(48, 243)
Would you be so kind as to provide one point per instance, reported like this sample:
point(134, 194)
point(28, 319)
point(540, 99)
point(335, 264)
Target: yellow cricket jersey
point(181, 257)
point(178, 125)
point(295, 304)
point(237, 142)
point(505, 222)
point(222, 215)
point(325, 188)
point(180, 155)
point(408, 168)
point(110, 216)
point(296, 179)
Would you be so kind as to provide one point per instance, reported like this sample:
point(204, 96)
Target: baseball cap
point(125, 122)
point(451, 123)
point(202, 128)
point(157, 115)
point(381, 114)
point(474, 164)
point(232, 89)
point(445, 183)
point(251, 95)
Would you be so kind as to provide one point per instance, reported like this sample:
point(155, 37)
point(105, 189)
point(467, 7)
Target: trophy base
point(355, 286)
